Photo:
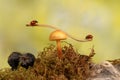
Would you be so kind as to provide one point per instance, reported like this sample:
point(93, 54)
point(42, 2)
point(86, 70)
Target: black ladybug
point(27, 60)
point(13, 60)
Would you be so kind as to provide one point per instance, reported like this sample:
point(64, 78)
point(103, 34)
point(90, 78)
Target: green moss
point(49, 67)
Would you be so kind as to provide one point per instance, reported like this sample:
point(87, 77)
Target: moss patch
point(72, 66)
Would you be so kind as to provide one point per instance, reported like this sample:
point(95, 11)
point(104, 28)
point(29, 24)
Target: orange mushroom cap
point(57, 35)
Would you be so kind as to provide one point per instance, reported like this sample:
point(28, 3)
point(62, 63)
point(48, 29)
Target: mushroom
point(27, 60)
point(57, 36)
point(14, 59)
point(35, 24)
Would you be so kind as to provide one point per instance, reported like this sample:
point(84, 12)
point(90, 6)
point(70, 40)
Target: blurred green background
point(100, 18)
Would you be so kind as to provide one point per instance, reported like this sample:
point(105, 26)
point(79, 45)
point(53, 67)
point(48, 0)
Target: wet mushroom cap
point(13, 60)
point(27, 60)
point(57, 35)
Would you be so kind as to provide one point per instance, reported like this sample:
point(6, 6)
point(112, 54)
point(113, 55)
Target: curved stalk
point(53, 27)
point(45, 25)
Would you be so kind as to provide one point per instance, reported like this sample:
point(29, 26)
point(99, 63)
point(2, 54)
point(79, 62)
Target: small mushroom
point(27, 60)
point(14, 59)
point(57, 36)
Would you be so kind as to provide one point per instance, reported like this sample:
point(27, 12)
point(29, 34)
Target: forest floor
point(72, 66)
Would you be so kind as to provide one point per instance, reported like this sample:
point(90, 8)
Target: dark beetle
point(27, 60)
point(32, 23)
point(13, 60)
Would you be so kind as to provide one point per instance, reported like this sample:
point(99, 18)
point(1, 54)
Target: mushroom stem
point(79, 40)
point(45, 25)
point(53, 27)
point(59, 49)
